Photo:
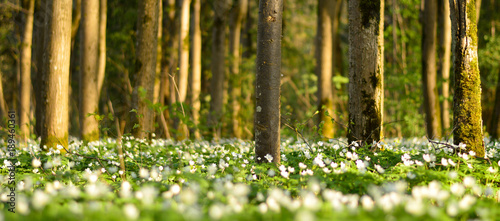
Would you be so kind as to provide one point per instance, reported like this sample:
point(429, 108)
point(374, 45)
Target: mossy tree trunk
point(142, 121)
point(25, 78)
point(445, 56)
point(56, 61)
point(268, 79)
point(196, 66)
point(89, 54)
point(429, 71)
point(218, 66)
point(467, 116)
point(237, 15)
point(366, 78)
point(324, 65)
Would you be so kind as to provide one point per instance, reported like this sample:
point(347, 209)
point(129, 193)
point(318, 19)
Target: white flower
point(427, 158)
point(285, 174)
point(411, 175)
point(499, 163)
point(334, 165)
point(415, 207)
point(444, 162)
point(472, 153)
point(263, 208)
point(40, 199)
point(379, 168)
point(492, 170)
point(175, 189)
point(302, 165)
point(469, 181)
point(271, 172)
point(143, 173)
point(451, 162)
point(462, 146)
point(466, 202)
point(37, 163)
point(367, 202)
point(131, 211)
point(452, 209)
point(457, 189)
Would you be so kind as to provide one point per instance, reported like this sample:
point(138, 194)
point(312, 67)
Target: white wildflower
point(131, 211)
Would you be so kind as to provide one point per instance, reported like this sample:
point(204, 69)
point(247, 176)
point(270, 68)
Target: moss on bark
point(51, 142)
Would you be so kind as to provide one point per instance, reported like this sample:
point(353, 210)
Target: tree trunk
point(101, 68)
point(142, 121)
point(324, 65)
point(196, 67)
point(39, 87)
point(183, 51)
point(467, 119)
point(89, 54)
point(218, 64)
point(168, 42)
point(3, 105)
point(159, 54)
point(56, 61)
point(237, 15)
point(267, 82)
point(445, 65)
point(429, 73)
point(366, 78)
point(496, 112)
point(25, 81)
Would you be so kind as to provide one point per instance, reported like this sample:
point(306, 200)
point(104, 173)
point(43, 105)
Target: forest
point(249, 110)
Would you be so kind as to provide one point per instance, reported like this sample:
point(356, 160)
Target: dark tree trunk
point(429, 72)
point(267, 82)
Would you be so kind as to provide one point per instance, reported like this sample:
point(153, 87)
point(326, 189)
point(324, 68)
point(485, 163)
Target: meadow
point(398, 179)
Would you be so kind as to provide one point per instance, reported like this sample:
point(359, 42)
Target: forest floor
point(408, 179)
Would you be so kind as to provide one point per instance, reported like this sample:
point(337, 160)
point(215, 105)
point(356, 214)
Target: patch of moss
point(51, 142)
point(92, 136)
point(370, 10)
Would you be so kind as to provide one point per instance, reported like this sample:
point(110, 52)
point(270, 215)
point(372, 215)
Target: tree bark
point(142, 121)
point(218, 65)
point(324, 65)
point(25, 81)
point(267, 82)
point(168, 60)
point(366, 78)
point(183, 51)
point(467, 116)
point(496, 112)
point(40, 26)
point(196, 66)
point(3, 105)
point(429, 72)
point(445, 65)
point(89, 54)
point(237, 15)
point(101, 68)
point(56, 61)
point(159, 54)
